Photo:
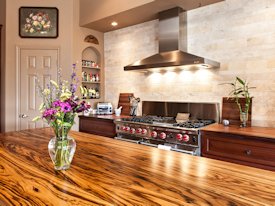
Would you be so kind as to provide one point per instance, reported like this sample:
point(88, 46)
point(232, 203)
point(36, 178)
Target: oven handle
point(172, 149)
point(127, 140)
point(149, 144)
point(183, 151)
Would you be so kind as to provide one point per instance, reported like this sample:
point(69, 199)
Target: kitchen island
point(106, 171)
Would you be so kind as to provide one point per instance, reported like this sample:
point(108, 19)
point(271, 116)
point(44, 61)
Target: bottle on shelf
point(96, 93)
point(97, 77)
point(93, 79)
point(83, 76)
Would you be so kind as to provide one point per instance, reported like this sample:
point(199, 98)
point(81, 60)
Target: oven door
point(128, 138)
point(187, 149)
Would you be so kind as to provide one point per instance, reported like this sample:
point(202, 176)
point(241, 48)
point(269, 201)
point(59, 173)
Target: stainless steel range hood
point(169, 53)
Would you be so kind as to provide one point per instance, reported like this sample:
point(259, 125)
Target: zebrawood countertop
point(265, 132)
point(106, 171)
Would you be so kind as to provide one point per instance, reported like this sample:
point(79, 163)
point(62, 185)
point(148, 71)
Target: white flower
point(46, 92)
point(34, 18)
point(31, 30)
point(35, 23)
point(28, 20)
point(46, 26)
point(54, 83)
point(31, 15)
point(39, 18)
point(43, 22)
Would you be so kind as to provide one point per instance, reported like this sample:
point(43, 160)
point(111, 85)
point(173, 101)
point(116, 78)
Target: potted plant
point(240, 88)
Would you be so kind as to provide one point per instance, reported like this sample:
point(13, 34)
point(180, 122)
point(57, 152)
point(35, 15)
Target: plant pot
point(243, 118)
point(61, 151)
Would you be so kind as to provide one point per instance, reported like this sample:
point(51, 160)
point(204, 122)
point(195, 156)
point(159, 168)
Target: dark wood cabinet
point(0, 76)
point(247, 150)
point(98, 126)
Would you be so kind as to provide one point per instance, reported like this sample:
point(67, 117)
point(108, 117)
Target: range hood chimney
point(170, 54)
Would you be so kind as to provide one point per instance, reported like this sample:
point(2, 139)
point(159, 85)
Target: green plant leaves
point(240, 81)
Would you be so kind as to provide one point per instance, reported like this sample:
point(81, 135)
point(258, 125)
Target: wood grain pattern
point(124, 101)
point(231, 112)
point(97, 126)
point(105, 171)
point(246, 150)
point(0, 74)
point(257, 132)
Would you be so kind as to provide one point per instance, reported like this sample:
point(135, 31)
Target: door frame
point(18, 74)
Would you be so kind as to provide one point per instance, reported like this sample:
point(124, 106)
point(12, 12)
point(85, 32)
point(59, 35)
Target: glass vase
point(243, 118)
point(61, 151)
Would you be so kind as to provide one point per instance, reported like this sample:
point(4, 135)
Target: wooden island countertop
point(262, 132)
point(106, 171)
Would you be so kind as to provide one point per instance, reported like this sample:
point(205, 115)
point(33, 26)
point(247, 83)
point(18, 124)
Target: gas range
point(163, 132)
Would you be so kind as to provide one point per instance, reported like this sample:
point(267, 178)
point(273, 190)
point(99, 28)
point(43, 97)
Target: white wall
point(239, 34)
point(64, 41)
point(70, 41)
point(2, 22)
point(79, 45)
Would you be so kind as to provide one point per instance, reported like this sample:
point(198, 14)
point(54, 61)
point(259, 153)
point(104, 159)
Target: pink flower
point(65, 107)
point(48, 113)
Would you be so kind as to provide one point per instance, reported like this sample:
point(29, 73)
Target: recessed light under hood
point(169, 53)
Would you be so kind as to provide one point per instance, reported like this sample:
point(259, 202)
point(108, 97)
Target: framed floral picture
point(38, 22)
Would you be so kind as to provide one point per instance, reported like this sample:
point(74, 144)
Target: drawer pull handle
point(248, 152)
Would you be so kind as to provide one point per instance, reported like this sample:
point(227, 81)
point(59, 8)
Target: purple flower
point(48, 113)
point(56, 103)
point(82, 107)
point(73, 88)
point(72, 103)
point(65, 107)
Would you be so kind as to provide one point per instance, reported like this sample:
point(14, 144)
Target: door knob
point(23, 116)
point(248, 152)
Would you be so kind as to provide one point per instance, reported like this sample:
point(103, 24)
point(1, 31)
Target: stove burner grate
point(194, 123)
point(150, 119)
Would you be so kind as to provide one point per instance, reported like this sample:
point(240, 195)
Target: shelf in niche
point(91, 67)
point(85, 82)
point(89, 98)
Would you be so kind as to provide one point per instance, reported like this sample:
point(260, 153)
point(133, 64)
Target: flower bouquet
point(59, 108)
point(38, 23)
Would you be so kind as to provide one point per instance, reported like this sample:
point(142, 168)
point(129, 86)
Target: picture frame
point(38, 22)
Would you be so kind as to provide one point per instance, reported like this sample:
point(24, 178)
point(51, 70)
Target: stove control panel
point(174, 136)
point(132, 129)
point(159, 134)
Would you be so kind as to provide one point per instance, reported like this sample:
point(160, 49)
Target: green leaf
point(240, 81)
point(66, 124)
point(36, 118)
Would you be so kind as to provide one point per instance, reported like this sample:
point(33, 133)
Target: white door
point(42, 63)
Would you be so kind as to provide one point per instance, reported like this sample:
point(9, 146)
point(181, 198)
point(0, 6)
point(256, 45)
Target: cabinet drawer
point(240, 148)
point(103, 127)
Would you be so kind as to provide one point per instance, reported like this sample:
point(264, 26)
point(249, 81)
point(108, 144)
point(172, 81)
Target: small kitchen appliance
point(158, 126)
point(104, 108)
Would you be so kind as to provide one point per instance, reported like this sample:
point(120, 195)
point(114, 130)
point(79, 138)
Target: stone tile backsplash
point(238, 34)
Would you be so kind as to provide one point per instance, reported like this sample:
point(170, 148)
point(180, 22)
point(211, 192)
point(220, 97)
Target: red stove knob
point(144, 131)
point(127, 129)
point(185, 138)
point(154, 134)
point(139, 130)
point(179, 137)
point(162, 135)
point(122, 128)
point(133, 130)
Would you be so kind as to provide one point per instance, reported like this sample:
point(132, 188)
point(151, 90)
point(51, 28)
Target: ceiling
point(99, 14)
